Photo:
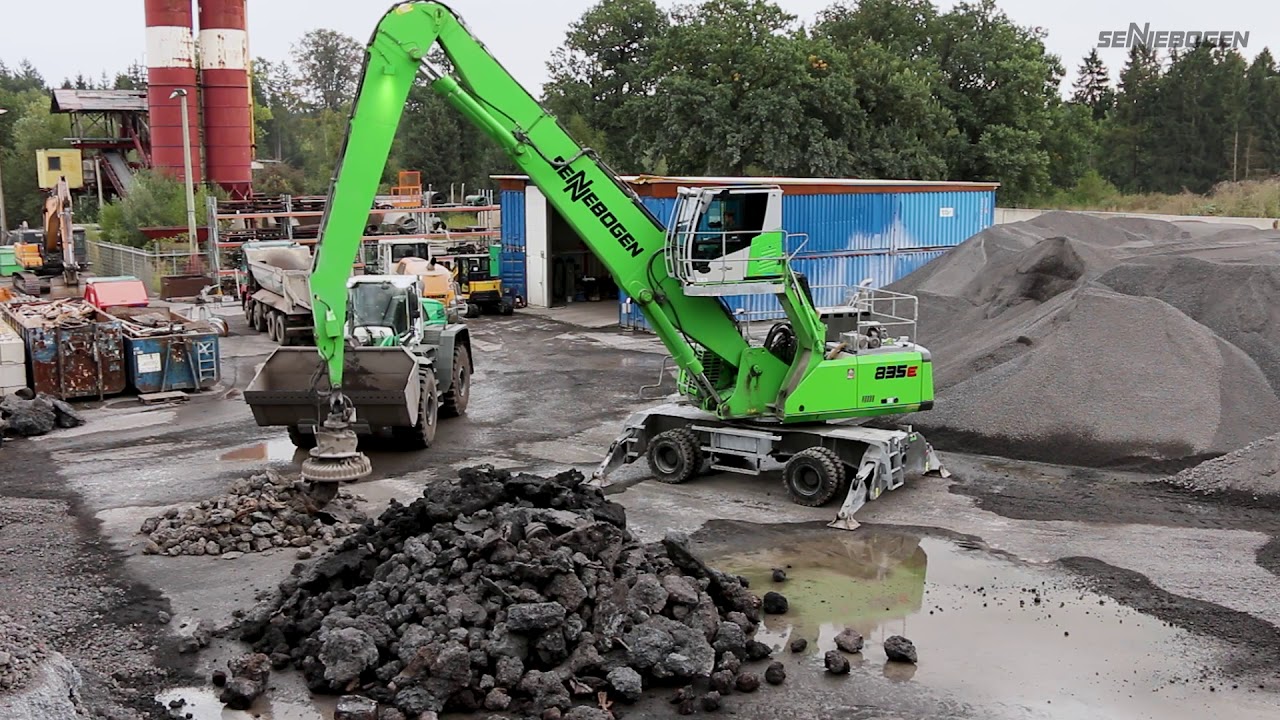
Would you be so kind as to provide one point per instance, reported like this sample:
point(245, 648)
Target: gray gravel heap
point(1253, 469)
point(20, 654)
point(257, 514)
point(1090, 341)
point(510, 593)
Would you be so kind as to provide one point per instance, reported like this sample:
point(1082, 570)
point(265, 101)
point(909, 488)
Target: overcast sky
point(97, 35)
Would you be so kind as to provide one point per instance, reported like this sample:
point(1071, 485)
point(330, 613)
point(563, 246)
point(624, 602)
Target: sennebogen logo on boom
point(1144, 36)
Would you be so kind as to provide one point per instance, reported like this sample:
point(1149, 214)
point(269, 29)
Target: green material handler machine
point(798, 396)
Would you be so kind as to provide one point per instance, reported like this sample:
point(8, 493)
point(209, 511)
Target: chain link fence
point(149, 266)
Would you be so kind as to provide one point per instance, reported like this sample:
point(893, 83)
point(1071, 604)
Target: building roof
point(68, 101)
point(666, 185)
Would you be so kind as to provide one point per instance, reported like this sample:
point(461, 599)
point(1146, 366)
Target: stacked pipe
point(225, 98)
point(171, 66)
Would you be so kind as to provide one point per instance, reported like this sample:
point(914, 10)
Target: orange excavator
point(56, 253)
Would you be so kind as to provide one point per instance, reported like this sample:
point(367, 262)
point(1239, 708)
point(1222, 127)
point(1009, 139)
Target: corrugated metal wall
point(513, 242)
point(855, 236)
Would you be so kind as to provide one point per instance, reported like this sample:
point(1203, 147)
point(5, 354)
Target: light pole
point(4, 219)
point(186, 164)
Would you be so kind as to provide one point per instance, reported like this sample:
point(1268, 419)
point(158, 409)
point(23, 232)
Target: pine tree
point(1094, 86)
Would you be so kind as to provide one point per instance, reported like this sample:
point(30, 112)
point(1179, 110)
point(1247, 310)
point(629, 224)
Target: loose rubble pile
point(1075, 339)
point(511, 593)
point(21, 653)
point(29, 417)
point(1253, 469)
point(257, 514)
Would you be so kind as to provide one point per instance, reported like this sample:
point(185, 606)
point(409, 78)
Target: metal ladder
point(204, 361)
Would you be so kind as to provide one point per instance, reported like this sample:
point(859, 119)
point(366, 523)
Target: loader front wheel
point(674, 456)
point(301, 440)
point(421, 435)
point(455, 401)
point(813, 476)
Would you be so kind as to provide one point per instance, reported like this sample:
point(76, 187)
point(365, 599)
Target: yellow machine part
point(28, 255)
point(437, 281)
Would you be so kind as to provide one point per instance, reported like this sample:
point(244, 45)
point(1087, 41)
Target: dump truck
point(277, 295)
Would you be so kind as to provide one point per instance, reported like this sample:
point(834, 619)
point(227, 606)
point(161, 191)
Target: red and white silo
point(226, 101)
point(171, 66)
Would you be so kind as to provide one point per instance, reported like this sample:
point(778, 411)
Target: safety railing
point(688, 261)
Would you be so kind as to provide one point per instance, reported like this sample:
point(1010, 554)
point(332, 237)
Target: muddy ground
point(1031, 591)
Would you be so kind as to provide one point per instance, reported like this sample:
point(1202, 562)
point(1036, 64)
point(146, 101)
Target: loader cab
point(727, 240)
point(384, 310)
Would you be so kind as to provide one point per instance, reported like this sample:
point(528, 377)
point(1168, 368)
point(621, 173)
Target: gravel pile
point(257, 514)
point(510, 593)
point(1252, 469)
point(36, 416)
point(1089, 341)
point(21, 653)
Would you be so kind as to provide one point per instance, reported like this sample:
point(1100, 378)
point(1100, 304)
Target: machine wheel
point(508, 308)
point(813, 476)
point(274, 326)
point(259, 316)
point(301, 440)
point(421, 436)
point(455, 401)
point(473, 310)
point(675, 456)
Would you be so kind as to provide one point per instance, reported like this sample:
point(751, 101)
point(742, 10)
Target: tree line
point(878, 89)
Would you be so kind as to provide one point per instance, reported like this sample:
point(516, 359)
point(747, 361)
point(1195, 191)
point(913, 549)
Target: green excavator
point(799, 395)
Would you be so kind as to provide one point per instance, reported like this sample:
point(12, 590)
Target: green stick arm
point(610, 219)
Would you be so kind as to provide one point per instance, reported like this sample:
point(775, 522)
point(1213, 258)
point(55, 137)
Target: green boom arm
point(607, 215)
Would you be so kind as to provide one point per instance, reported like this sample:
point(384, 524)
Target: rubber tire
point(813, 476)
point(674, 456)
point(454, 402)
point(271, 326)
point(473, 310)
point(423, 434)
point(259, 316)
point(508, 308)
point(301, 440)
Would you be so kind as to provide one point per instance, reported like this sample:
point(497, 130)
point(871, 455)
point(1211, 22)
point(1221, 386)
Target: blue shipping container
point(842, 239)
point(173, 362)
point(513, 242)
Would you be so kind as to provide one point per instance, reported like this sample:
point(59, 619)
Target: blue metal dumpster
point(182, 355)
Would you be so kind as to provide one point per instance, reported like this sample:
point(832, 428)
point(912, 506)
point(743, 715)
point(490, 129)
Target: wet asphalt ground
point(1030, 591)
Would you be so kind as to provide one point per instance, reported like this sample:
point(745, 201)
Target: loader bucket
point(291, 388)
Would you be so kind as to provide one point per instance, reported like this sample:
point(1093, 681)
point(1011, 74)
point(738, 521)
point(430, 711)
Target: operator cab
point(727, 240)
point(384, 310)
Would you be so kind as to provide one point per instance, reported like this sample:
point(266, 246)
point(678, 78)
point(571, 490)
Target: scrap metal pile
point(68, 311)
point(257, 514)
point(511, 592)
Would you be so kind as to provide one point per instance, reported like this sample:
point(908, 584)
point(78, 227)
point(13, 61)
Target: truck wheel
point(813, 476)
point(259, 316)
point(301, 440)
point(421, 436)
point(273, 326)
point(455, 401)
point(674, 456)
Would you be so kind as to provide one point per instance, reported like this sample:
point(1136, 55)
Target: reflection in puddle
point(991, 632)
point(202, 704)
point(278, 450)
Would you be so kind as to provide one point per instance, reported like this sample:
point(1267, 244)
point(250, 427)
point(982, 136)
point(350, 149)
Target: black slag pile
point(508, 592)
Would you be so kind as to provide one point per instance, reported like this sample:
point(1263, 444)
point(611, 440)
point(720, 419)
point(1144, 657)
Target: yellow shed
point(52, 164)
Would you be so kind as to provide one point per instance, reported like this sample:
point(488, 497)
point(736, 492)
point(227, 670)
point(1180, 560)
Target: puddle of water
point(278, 450)
point(203, 704)
point(992, 632)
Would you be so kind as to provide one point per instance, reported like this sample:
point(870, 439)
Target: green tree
point(1000, 84)
point(1093, 87)
point(327, 68)
point(1260, 153)
point(156, 200)
point(604, 66)
point(1128, 140)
